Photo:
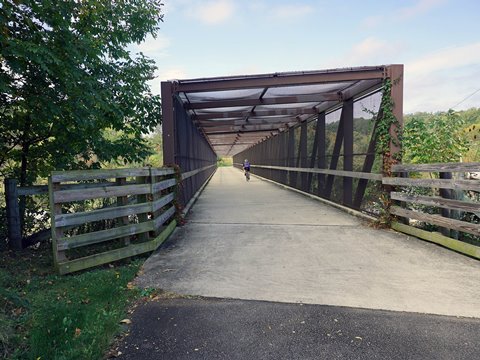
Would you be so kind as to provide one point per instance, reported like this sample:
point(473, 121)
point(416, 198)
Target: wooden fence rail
point(136, 227)
point(449, 204)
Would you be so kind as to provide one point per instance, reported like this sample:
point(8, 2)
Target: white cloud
point(439, 80)
point(152, 47)
point(212, 12)
point(290, 12)
point(447, 58)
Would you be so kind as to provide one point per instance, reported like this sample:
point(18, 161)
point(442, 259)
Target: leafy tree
point(66, 76)
point(435, 138)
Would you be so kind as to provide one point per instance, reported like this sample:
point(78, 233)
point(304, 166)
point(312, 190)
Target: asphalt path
point(239, 329)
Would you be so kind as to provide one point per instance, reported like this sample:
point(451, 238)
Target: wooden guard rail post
point(14, 226)
point(139, 227)
point(15, 215)
point(446, 203)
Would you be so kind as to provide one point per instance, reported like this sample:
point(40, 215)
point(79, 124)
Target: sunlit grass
point(48, 316)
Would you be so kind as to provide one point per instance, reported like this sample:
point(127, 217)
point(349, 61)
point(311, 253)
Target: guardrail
point(449, 204)
point(138, 227)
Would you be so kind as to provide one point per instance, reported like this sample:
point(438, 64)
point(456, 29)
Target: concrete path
point(259, 241)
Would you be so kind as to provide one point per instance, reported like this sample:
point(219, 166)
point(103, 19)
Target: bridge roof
point(237, 112)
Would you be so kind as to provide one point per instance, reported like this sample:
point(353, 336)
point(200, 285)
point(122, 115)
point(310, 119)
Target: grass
point(48, 316)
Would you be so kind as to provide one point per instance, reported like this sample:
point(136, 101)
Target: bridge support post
point(347, 113)
point(395, 73)
point(168, 124)
point(322, 160)
point(303, 155)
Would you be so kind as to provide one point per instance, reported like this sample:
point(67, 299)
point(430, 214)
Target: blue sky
point(437, 40)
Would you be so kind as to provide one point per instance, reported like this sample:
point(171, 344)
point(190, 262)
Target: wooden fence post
point(13, 214)
point(446, 194)
point(123, 201)
point(143, 217)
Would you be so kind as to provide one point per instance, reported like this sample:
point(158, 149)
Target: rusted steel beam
point(258, 133)
point(246, 127)
point(168, 124)
point(242, 114)
point(303, 155)
point(215, 123)
point(313, 156)
point(265, 101)
point(367, 164)
point(347, 112)
point(280, 79)
point(359, 88)
point(335, 156)
point(322, 149)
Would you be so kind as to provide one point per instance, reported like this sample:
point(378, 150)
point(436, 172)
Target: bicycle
point(247, 175)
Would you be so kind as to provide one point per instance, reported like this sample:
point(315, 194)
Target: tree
point(435, 138)
point(66, 75)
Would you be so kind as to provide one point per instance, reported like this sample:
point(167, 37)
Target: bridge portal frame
point(263, 126)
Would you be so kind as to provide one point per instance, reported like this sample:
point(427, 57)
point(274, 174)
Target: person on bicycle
point(246, 168)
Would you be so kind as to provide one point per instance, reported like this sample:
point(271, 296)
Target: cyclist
point(246, 169)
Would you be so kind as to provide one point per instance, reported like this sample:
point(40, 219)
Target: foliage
point(60, 317)
point(224, 161)
point(383, 135)
point(55, 104)
point(472, 133)
point(440, 138)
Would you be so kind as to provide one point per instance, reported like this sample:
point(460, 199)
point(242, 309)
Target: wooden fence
point(13, 194)
point(140, 214)
point(451, 202)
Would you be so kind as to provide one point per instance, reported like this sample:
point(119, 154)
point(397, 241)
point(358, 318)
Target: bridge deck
point(258, 241)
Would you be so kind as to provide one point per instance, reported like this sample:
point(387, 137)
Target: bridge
point(325, 151)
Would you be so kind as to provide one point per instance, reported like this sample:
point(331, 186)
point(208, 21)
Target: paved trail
point(305, 281)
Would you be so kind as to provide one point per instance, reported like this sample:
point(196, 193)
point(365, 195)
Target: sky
point(438, 41)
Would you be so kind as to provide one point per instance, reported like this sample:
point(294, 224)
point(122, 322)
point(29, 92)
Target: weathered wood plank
point(438, 220)
point(123, 201)
point(117, 254)
point(162, 185)
point(32, 190)
point(437, 201)
point(164, 200)
point(14, 221)
point(142, 199)
point(162, 171)
point(191, 173)
point(64, 196)
point(79, 175)
point(352, 174)
point(437, 238)
point(57, 233)
point(164, 217)
point(103, 235)
point(434, 183)
point(43, 189)
point(437, 167)
point(73, 219)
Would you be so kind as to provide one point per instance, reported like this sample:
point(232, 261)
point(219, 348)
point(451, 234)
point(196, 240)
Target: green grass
point(48, 316)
